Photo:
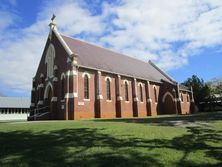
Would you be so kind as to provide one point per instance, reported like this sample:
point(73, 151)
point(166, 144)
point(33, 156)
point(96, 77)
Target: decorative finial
point(53, 17)
point(52, 23)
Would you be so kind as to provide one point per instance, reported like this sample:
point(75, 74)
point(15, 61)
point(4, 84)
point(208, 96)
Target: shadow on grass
point(90, 147)
point(171, 120)
point(69, 147)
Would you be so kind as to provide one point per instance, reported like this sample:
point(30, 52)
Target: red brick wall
point(108, 106)
point(85, 108)
point(127, 106)
point(154, 105)
point(185, 105)
point(142, 110)
point(61, 62)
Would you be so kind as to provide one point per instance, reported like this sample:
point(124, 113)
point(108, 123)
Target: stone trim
point(85, 73)
point(149, 100)
point(41, 75)
point(65, 46)
point(40, 102)
point(99, 96)
point(86, 99)
point(119, 98)
point(55, 67)
point(125, 81)
point(72, 72)
point(55, 79)
point(135, 99)
point(63, 76)
point(54, 99)
point(109, 78)
point(71, 95)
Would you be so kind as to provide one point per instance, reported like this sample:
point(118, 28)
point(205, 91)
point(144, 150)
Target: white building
point(14, 108)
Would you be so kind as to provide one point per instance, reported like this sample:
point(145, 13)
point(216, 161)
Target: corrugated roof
point(14, 102)
point(90, 55)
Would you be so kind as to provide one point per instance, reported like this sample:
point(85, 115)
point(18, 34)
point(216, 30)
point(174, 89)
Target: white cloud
point(167, 32)
point(157, 26)
point(19, 56)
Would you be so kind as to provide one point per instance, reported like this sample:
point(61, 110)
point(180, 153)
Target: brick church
point(76, 79)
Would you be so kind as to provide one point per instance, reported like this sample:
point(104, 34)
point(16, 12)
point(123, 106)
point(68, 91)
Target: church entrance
point(168, 104)
point(48, 98)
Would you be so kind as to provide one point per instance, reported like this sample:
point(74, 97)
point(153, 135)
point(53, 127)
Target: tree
point(201, 90)
point(215, 86)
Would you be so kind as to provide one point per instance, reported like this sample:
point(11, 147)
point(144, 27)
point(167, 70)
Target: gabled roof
point(183, 87)
point(92, 56)
point(14, 102)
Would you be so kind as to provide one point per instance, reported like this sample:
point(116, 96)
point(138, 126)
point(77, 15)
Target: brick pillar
point(72, 94)
point(175, 100)
point(119, 102)
point(192, 102)
point(41, 94)
point(54, 103)
point(179, 107)
point(99, 96)
point(63, 100)
point(149, 100)
point(135, 99)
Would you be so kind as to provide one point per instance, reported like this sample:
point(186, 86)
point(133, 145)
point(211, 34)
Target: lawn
point(190, 140)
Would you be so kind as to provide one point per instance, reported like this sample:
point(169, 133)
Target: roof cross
point(53, 17)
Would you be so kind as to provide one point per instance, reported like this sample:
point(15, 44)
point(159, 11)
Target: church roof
point(183, 87)
point(92, 56)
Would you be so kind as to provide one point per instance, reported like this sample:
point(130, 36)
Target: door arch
point(48, 97)
point(168, 104)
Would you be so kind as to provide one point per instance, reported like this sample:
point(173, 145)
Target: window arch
point(63, 88)
point(141, 92)
point(155, 94)
point(86, 87)
point(188, 98)
point(181, 97)
point(126, 92)
point(62, 78)
point(108, 93)
point(49, 60)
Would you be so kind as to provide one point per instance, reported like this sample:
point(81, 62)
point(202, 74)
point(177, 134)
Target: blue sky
point(182, 37)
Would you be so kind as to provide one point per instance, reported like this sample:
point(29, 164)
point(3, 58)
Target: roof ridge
point(162, 72)
point(93, 44)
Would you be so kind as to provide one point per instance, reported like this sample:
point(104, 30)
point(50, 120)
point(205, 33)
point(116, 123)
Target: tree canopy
point(200, 89)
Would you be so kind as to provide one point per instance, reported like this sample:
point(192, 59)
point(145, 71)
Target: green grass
point(192, 140)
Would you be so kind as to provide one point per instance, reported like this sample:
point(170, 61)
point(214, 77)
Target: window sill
point(108, 100)
point(127, 101)
point(86, 99)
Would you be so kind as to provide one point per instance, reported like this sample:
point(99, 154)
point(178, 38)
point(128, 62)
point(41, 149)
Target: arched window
point(86, 87)
point(155, 95)
point(188, 98)
point(126, 92)
point(49, 60)
point(63, 88)
point(181, 96)
point(108, 93)
point(141, 93)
